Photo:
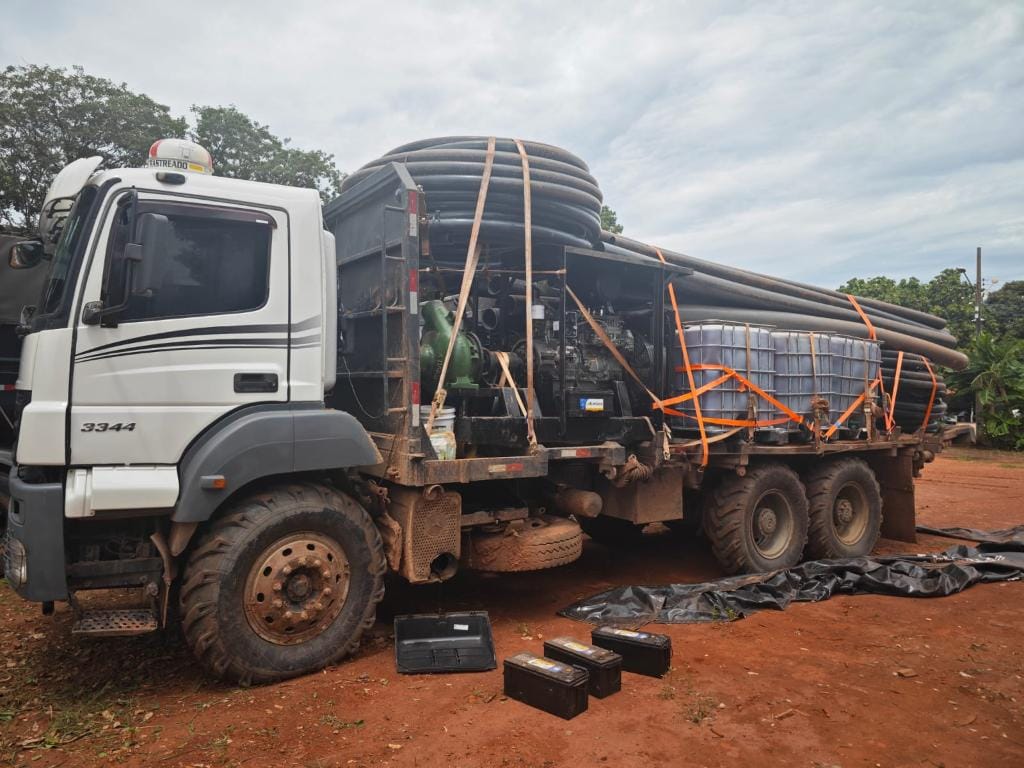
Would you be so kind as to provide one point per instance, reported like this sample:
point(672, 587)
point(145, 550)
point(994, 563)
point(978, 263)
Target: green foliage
point(50, 116)
point(610, 220)
point(244, 149)
point(995, 376)
point(947, 295)
point(1004, 310)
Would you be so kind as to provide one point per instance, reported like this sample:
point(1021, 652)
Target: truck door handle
point(255, 382)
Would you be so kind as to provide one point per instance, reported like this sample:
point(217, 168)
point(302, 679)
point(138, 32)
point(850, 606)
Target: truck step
point(122, 622)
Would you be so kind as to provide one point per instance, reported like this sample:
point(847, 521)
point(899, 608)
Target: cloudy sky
point(811, 140)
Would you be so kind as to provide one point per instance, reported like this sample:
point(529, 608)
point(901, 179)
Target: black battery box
point(552, 686)
point(642, 652)
point(604, 666)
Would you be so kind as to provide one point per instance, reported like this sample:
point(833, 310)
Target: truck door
point(211, 336)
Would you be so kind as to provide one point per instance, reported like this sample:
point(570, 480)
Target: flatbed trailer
point(391, 264)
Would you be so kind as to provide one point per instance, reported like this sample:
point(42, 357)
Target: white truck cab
point(179, 353)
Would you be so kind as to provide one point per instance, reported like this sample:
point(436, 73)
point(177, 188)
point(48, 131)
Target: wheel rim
point(296, 588)
point(772, 524)
point(850, 514)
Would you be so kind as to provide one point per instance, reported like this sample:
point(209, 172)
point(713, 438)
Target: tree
point(947, 295)
point(50, 116)
point(1004, 310)
point(244, 149)
point(995, 376)
point(610, 220)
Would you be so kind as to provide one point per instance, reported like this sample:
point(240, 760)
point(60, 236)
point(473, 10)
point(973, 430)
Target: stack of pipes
point(566, 212)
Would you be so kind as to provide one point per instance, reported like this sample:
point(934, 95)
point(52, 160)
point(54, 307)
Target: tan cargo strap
point(472, 257)
point(506, 378)
point(531, 436)
point(610, 346)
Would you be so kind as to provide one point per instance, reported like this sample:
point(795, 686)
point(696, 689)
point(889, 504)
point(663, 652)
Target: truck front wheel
point(283, 584)
point(757, 522)
point(846, 509)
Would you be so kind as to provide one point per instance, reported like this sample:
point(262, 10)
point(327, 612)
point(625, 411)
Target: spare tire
point(525, 545)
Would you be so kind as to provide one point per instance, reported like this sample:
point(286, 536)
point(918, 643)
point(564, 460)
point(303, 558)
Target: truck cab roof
point(231, 190)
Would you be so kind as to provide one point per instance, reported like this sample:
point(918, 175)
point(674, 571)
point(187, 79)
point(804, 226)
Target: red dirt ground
point(815, 686)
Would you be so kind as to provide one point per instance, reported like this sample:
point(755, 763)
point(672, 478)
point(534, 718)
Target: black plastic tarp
point(1013, 535)
point(735, 597)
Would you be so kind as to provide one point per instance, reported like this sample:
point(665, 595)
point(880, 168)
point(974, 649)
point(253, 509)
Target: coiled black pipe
point(566, 200)
point(566, 212)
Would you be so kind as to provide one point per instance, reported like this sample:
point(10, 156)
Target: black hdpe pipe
point(566, 211)
point(708, 289)
point(566, 200)
point(775, 285)
point(695, 313)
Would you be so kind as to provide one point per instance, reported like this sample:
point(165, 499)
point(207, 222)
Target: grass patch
point(337, 724)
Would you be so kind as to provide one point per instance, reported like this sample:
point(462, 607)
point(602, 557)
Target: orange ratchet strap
point(689, 371)
point(890, 415)
point(863, 316)
point(853, 407)
point(931, 398)
point(731, 374)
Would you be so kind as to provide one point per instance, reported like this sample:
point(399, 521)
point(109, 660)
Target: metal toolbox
point(555, 687)
point(644, 653)
point(604, 666)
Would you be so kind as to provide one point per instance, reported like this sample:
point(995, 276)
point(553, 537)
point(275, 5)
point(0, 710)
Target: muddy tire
point(526, 545)
point(758, 522)
point(613, 532)
point(845, 509)
point(283, 584)
point(5, 502)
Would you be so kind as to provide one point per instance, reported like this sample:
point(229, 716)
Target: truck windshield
point(56, 298)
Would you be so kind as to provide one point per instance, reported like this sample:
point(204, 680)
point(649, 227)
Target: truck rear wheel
point(758, 522)
point(283, 584)
point(845, 509)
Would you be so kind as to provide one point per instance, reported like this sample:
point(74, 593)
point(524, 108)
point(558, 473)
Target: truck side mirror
point(25, 255)
point(142, 265)
point(148, 254)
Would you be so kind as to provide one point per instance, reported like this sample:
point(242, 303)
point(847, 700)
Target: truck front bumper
point(34, 551)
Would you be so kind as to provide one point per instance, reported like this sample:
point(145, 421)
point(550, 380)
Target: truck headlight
point(15, 562)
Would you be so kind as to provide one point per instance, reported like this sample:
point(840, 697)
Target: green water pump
point(469, 358)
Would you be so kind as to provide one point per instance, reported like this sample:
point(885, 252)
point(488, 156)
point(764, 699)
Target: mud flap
point(896, 480)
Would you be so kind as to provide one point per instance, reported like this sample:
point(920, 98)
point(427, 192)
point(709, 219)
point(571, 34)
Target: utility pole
point(977, 296)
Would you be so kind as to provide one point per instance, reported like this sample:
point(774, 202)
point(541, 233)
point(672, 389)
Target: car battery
point(604, 666)
point(552, 686)
point(642, 652)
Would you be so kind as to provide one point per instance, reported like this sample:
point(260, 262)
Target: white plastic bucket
point(442, 435)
